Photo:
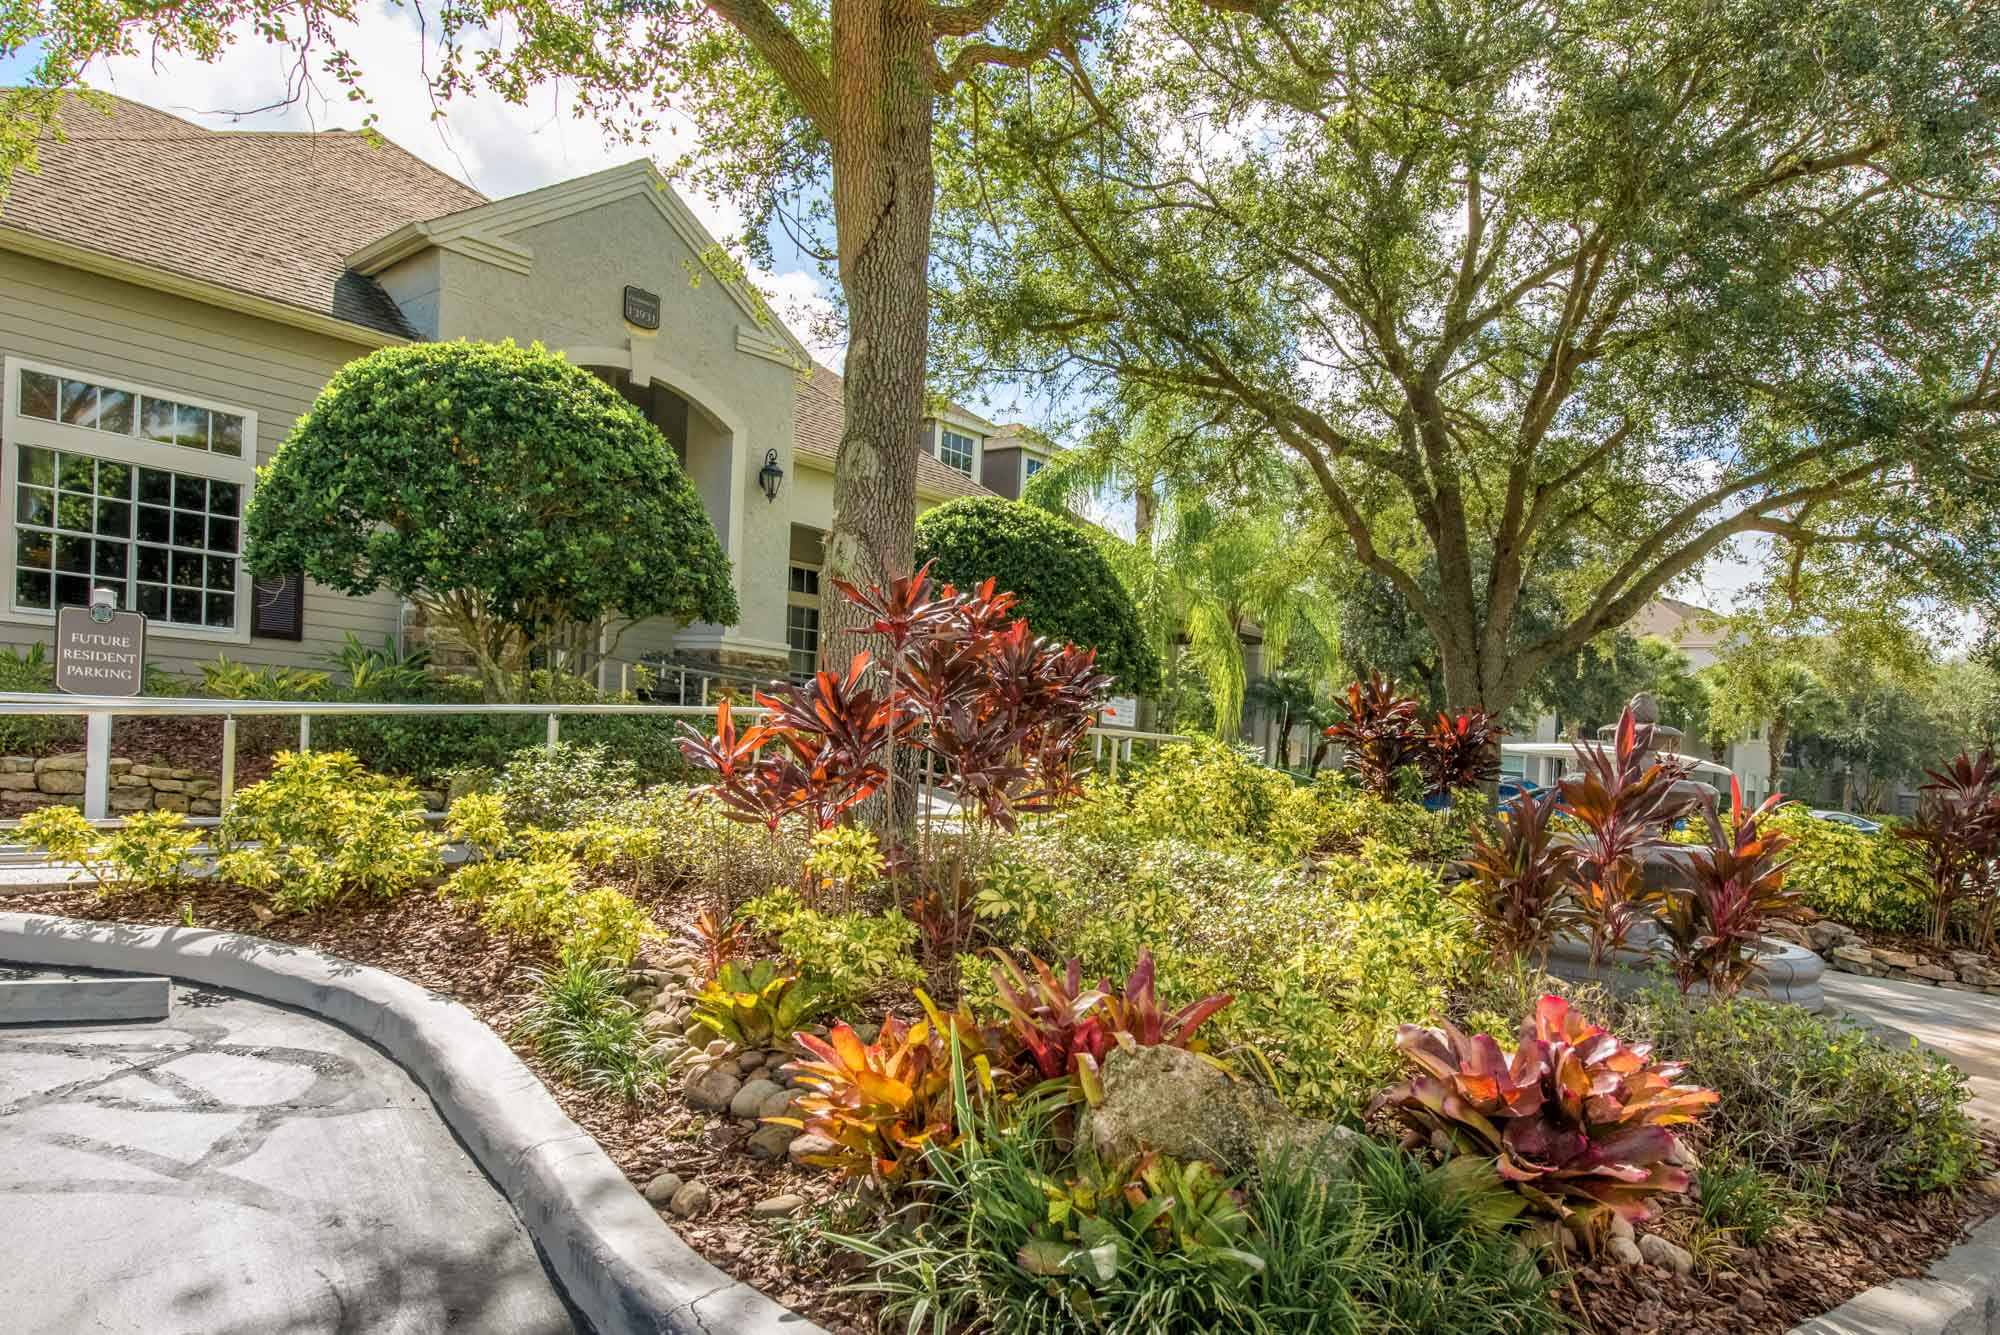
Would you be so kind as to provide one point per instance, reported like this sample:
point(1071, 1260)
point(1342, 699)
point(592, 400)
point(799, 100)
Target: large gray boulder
point(1183, 1105)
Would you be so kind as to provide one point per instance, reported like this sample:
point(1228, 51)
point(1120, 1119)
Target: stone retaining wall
point(1844, 949)
point(26, 783)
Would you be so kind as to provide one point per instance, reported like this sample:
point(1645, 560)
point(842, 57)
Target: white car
point(1848, 818)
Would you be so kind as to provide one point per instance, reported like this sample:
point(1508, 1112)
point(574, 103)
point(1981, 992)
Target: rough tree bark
point(883, 195)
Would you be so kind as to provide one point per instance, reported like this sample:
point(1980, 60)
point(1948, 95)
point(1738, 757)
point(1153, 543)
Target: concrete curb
point(1960, 1296)
point(622, 1267)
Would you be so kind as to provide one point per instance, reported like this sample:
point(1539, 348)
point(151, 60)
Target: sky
point(501, 149)
point(495, 148)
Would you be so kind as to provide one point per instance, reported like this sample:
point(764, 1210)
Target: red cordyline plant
point(1066, 1030)
point(1738, 890)
point(1522, 878)
point(1461, 752)
point(1572, 1119)
point(1958, 831)
point(1622, 801)
point(1379, 733)
point(1000, 712)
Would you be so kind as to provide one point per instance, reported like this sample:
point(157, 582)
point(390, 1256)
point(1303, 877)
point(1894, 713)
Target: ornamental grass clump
point(1575, 1121)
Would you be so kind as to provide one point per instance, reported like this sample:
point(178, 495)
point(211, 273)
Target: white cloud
point(497, 148)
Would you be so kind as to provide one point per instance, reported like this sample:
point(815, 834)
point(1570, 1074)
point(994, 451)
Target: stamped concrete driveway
point(242, 1169)
point(1964, 1026)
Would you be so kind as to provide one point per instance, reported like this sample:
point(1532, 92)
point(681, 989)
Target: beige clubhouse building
point(173, 297)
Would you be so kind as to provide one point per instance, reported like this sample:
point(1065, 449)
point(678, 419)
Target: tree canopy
point(1567, 295)
point(508, 493)
point(817, 116)
point(1068, 591)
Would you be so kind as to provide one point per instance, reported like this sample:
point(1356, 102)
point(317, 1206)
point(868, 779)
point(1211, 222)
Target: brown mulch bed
point(1809, 1267)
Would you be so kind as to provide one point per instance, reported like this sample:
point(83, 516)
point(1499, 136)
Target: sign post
point(99, 651)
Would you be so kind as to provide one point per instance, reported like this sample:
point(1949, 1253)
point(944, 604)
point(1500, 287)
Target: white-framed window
point(123, 486)
point(1030, 466)
point(954, 450)
point(802, 620)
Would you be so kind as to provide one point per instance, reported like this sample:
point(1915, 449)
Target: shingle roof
point(271, 214)
point(817, 417)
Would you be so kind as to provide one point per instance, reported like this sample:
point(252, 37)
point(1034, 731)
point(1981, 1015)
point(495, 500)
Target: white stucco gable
point(502, 236)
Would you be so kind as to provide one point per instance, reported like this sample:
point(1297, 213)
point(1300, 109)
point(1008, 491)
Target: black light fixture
point(770, 477)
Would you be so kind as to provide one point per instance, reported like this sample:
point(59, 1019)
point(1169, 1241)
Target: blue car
point(1510, 788)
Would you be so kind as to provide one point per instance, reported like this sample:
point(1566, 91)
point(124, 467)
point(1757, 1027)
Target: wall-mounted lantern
point(770, 477)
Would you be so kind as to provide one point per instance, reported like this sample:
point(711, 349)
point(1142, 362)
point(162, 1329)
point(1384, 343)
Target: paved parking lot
point(242, 1169)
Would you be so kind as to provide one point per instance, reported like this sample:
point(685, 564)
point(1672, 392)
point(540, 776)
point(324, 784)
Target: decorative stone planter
point(1783, 972)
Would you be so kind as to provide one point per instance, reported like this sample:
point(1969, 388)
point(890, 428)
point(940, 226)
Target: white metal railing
point(99, 710)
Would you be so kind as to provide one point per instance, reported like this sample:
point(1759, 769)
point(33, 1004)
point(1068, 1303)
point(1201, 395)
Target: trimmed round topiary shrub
point(508, 493)
point(1067, 589)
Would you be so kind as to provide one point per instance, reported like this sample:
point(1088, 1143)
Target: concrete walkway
point(243, 1169)
point(1965, 1026)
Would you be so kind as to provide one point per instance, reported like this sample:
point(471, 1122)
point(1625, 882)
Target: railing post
point(704, 690)
point(96, 766)
point(228, 763)
point(1114, 758)
point(305, 733)
point(555, 729)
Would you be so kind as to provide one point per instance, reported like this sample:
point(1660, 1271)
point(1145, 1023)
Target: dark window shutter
point(277, 607)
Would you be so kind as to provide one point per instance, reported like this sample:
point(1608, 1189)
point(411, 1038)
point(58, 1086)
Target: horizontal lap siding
point(51, 313)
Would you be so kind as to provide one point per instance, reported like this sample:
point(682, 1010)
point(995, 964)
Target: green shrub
point(479, 821)
point(1861, 879)
point(538, 900)
point(556, 788)
point(322, 827)
point(1067, 590)
point(1015, 1236)
point(843, 957)
point(504, 490)
point(227, 679)
point(1221, 796)
point(151, 851)
point(581, 1024)
point(34, 734)
point(1816, 1102)
point(700, 853)
point(1323, 964)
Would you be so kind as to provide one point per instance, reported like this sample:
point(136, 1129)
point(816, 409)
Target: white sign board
point(1120, 711)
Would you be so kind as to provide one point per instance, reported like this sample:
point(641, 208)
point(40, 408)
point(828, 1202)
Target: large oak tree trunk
point(883, 196)
point(884, 191)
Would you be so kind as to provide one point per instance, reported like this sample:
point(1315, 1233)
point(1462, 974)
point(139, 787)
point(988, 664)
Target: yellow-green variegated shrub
point(322, 827)
point(1861, 879)
point(1324, 962)
point(1220, 796)
point(151, 851)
